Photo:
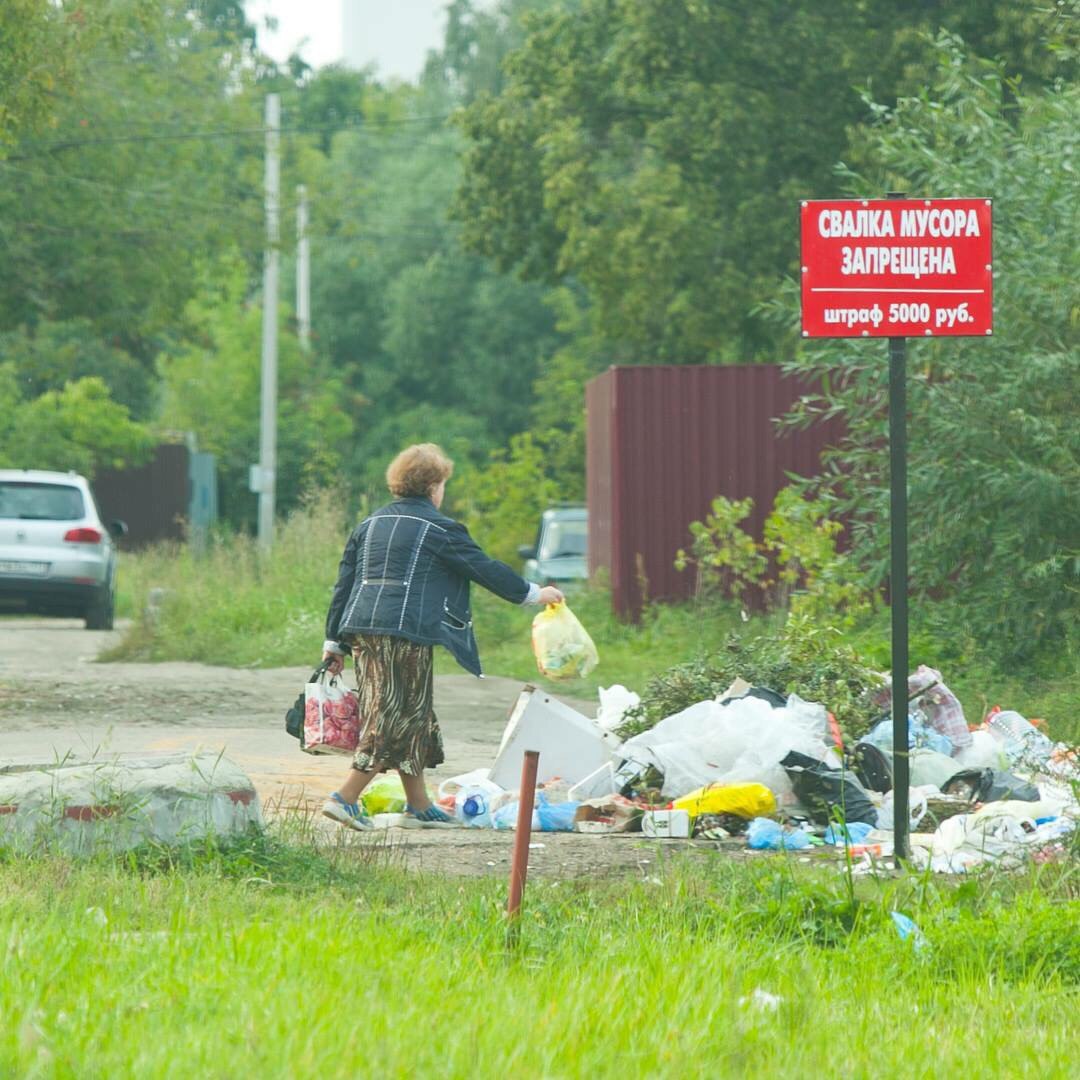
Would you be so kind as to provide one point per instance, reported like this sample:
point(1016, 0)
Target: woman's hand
point(549, 595)
point(334, 662)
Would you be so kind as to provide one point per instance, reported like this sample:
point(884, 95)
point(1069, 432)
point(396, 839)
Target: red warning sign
point(897, 268)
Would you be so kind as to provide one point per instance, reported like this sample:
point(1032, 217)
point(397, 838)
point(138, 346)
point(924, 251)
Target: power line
point(104, 185)
point(223, 133)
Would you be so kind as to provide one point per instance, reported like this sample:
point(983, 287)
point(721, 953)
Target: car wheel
point(99, 615)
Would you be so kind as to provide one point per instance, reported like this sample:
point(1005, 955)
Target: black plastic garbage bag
point(991, 785)
point(873, 767)
point(771, 697)
point(828, 793)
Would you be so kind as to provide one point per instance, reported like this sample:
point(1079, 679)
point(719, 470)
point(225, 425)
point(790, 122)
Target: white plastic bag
point(331, 717)
point(917, 807)
point(985, 752)
point(454, 784)
point(615, 701)
point(742, 742)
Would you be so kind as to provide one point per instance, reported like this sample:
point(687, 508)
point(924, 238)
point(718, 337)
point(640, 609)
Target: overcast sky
point(398, 33)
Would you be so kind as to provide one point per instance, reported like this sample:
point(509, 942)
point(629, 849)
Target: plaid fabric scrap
point(943, 710)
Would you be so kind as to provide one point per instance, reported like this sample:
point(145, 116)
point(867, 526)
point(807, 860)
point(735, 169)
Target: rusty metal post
point(519, 864)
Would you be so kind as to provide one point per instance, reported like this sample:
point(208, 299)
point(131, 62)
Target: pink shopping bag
point(331, 717)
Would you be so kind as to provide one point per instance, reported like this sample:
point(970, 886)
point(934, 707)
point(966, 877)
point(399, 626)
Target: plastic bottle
point(472, 804)
point(1020, 739)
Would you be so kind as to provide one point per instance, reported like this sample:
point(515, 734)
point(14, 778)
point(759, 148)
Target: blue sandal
point(433, 817)
point(351, 814)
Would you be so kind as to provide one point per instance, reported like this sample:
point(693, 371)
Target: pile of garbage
point(755, 768)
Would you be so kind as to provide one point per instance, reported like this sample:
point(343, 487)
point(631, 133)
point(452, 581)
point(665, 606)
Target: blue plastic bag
point(556, 817)
point(919, 735)
point(855, 832)
point(547, 817)
point(764, 834)
point(506, 816)
point(908, 931)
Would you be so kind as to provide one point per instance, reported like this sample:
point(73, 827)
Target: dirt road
point(56, 702)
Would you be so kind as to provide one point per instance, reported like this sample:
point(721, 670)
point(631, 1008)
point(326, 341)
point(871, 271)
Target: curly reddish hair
point(418, 469)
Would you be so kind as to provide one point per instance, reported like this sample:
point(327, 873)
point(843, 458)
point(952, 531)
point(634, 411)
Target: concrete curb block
point(118, 803)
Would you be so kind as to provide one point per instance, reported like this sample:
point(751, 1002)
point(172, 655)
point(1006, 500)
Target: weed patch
point(226, 955)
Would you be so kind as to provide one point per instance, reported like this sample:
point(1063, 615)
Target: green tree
point(502, 501)
point(994, 447)
point(77, 427)
point(37, 40)
point(52, 354)
point(476, 42)
point(652, 149)
point(106, 216)
point(435, 344)
point(211, 387)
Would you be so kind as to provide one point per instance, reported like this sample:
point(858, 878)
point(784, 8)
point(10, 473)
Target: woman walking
point(402, 588)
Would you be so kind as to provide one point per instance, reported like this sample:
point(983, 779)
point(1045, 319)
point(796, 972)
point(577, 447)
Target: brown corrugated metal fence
point(152, 498)
point(662, 443)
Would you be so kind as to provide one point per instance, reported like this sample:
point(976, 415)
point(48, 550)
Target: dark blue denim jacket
point(406, 572)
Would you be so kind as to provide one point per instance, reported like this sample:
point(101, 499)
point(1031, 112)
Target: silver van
point(56, 555)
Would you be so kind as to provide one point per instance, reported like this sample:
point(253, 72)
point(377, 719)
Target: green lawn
point(273, 961)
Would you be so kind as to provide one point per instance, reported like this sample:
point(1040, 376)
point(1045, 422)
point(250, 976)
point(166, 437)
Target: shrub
point(803, 658)
point(800, 538)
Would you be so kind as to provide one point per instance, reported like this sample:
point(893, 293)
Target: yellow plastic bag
point(745, 800)
point(562, 647)
point(384, 796)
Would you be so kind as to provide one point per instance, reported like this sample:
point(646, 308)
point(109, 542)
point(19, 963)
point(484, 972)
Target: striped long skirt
point(394, 681)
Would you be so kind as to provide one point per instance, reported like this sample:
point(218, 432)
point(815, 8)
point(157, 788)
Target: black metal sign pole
point(898, 583)
point(898, 579)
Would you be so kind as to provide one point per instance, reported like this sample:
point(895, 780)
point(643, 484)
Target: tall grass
point(256, 960)
point(231, 605)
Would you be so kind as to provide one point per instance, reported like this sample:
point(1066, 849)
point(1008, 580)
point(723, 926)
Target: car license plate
point(27, 569)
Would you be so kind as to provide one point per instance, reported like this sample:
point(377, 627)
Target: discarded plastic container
point(599, 782)
point(666, 824)
point(473, 811)
point(1020, 740)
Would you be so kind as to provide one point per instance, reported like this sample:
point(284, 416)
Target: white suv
point(56, 556)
